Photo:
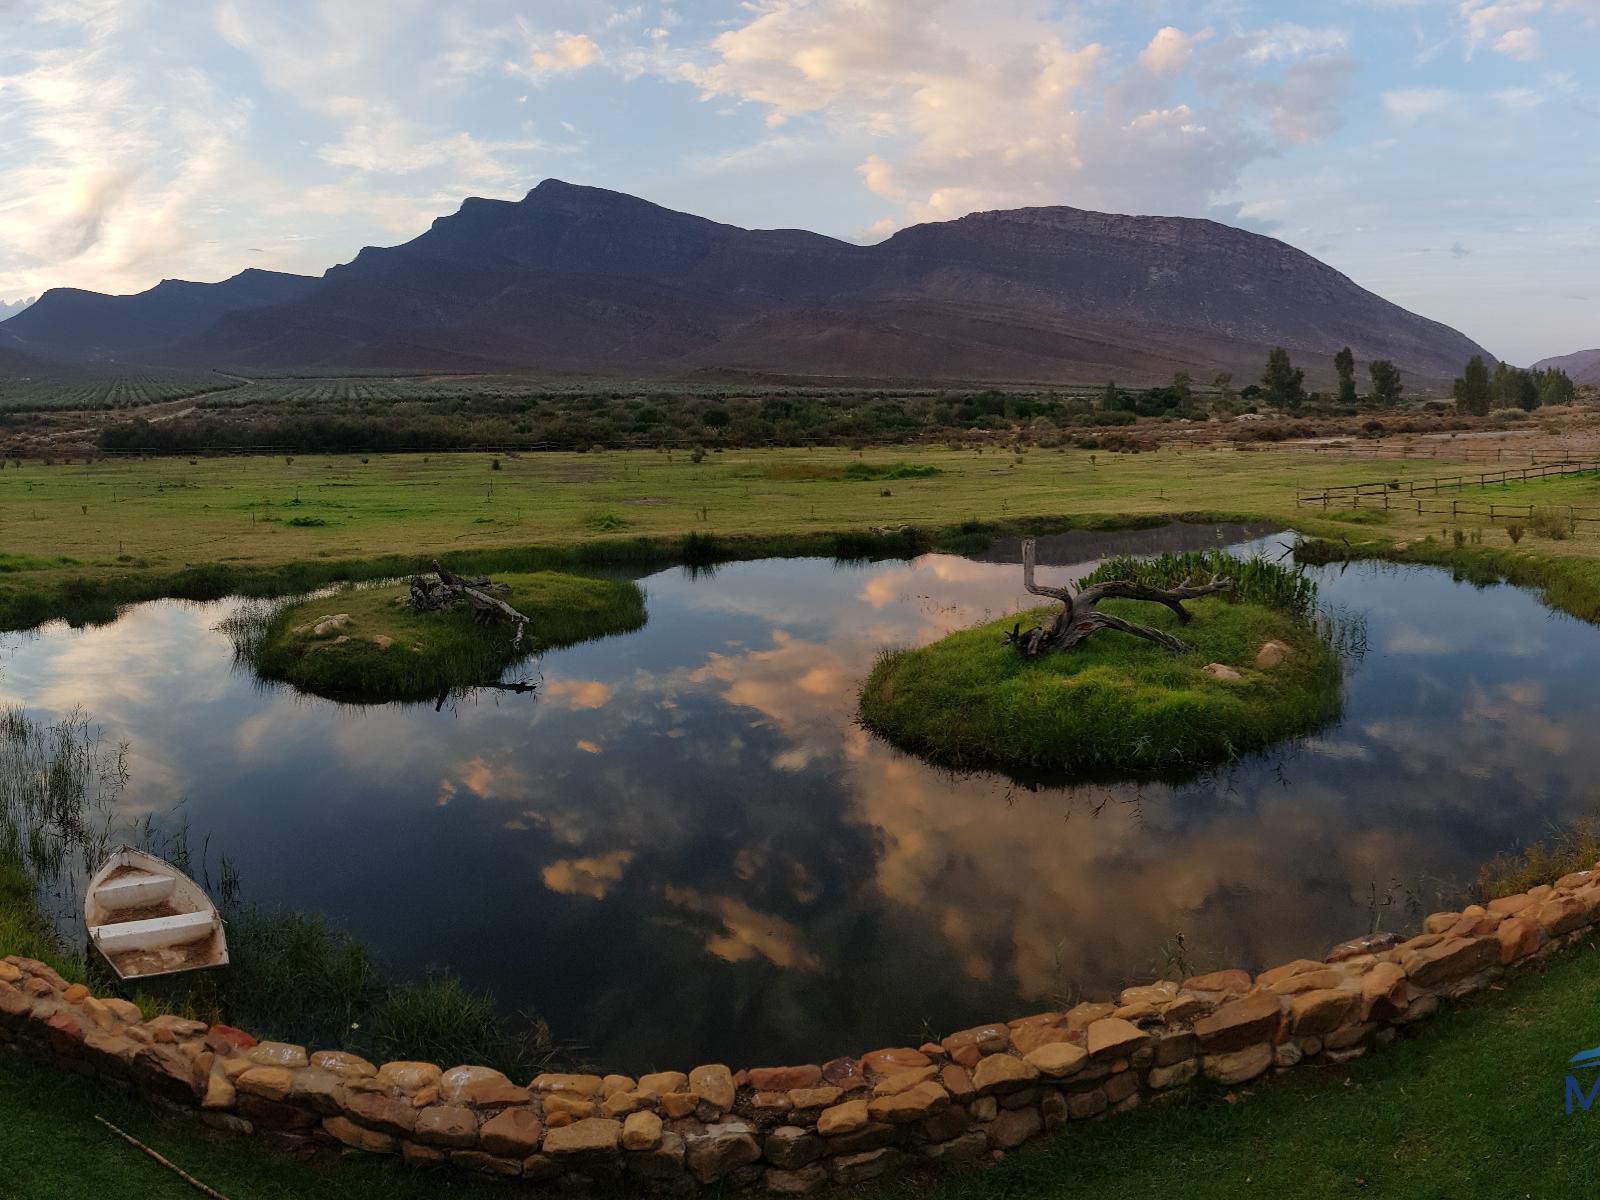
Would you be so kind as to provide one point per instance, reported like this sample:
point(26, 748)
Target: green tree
point(1555, 387)
point(1524, 390)
point(1110, 399)
point(1344, 363)
point(1472, 388)
point(1283, 381)
point(1386, 385)
point(1225, 393)
point(1502, 393)
point(1183, 388)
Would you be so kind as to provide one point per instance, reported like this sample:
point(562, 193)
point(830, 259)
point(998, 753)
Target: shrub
point(1514, 532)
point(1550, 523)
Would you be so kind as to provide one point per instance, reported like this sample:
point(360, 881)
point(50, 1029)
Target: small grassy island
point(367, 645)
point(1253, 669)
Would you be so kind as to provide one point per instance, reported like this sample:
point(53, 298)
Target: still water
point(682, 848)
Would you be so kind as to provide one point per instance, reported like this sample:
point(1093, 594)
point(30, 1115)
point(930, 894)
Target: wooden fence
point(1406, 493)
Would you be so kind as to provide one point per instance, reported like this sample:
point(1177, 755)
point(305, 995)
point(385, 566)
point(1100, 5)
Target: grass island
point(1212, 676)
point(367, 645)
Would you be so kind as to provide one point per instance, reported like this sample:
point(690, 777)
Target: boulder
point(1519, 936)
point(447, 1125)
point(1271, 654)
point(792, 1147)
point(514, 1132)
point(1113, 1037)
point(713, 1153)
point(480, 1087)
point(1015, 1126)
point(1238, 1066)
point(1449, 959)
point(641, 1131)
point(1314, 1013)
point(1240, 1023)
point(1223, 672)
point(713, 1084)
point(843, 1118)
point(278, 1054)
point(887, 1062)
point(592, 1137)
point(1002, 1073)
point(912, 1104)
point(1058, 1059)
point(783, 1079)
point(346, 1131)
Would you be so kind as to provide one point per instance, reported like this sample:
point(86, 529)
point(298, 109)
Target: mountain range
point(1583, 367)
point(583, 280)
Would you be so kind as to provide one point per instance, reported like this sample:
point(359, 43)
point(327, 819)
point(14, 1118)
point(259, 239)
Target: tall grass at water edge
point(292, 976)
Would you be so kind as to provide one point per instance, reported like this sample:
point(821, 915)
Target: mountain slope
point(586, 280)
point(1582, 367)
point(68, 322)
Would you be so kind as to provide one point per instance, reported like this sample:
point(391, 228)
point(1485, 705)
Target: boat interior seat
point(154, 933)
point(135, 891)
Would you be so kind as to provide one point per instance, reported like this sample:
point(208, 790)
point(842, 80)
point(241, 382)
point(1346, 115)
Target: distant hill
point(585, 280)
point(10, 308)
point(67, 322)
point(1582, 367)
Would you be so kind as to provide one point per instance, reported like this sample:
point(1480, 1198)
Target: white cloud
point(1170, 50)
point(1522, 42)
point(1505, 25)
point(1518, 99)
point(562, 53)
point(959, 106)
point(1410, 104)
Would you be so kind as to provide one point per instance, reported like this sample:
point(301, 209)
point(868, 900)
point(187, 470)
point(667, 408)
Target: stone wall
point(976, 1094)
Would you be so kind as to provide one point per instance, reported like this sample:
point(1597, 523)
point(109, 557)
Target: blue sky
point(1441, 152)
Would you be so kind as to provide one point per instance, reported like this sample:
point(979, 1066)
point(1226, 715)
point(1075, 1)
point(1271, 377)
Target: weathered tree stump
point(1079, 620)
point(452, 591)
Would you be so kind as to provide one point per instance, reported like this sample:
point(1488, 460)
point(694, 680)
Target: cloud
point(593, 876)
point(1411, 104)
point(562, 53)
point(1504, 25)
point(960, 107)
point(1518, 99)
point(1170, 50)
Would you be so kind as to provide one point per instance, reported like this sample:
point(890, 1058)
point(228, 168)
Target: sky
point(1440, 152)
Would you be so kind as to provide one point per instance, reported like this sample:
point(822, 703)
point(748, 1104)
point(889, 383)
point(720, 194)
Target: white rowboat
point(148, 918)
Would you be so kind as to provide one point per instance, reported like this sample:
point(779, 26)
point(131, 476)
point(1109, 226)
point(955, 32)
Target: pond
point(682, 848)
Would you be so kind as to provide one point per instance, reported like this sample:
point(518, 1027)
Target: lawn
point(1469, 1106)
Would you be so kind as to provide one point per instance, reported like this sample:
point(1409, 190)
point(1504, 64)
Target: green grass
point(1116, 704)
point(1468, 1107)
point(430, 653)
point(136, 530)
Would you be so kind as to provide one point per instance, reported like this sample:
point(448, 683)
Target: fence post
point(1453, 504)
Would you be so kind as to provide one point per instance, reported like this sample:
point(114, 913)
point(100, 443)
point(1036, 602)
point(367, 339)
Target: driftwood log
point(451, 591)
point(1078, 619)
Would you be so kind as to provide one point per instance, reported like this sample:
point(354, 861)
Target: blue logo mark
point(1584, 1060)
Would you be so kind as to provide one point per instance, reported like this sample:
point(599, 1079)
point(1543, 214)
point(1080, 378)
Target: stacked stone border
point(790, 1130)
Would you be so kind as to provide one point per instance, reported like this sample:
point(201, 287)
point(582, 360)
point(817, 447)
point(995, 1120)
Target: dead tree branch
point(452, 591)
point(1079, 618)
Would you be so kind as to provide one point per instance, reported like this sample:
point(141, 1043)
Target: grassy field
point(1469, 1107)
point(75, 538)
point(120, 515)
